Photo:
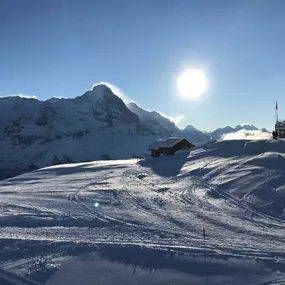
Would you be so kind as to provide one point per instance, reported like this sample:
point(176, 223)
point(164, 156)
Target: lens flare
point(96, 205)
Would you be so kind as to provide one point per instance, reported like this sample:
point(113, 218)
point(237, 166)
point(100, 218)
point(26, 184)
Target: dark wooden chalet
point(169, 146)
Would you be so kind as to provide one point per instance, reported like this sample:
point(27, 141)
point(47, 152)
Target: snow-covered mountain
point(246, 127)
point(190, 128)
point(194, 135)
point(153, 120)
point(218, 133)
point(163, 127)
point(96, 125)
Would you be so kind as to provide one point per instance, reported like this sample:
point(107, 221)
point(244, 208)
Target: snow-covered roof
point(156, 145)
point(169, 142)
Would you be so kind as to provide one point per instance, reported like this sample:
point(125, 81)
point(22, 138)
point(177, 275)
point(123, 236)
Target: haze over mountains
point(95, 126)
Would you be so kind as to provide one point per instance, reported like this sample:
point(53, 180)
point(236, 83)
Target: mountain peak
point(154, 120)
point(135, 108)
point(247, 127)
point(101, 88)
point(133, 104)
point(190, 128)
point(98, 93)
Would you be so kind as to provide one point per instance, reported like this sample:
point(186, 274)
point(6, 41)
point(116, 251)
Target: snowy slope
point(147, 215)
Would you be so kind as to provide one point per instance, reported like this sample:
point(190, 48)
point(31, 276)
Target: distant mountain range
point(216, 134)
point(96, 125)
point(164, 127)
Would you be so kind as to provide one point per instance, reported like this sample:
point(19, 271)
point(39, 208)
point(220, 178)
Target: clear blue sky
point(61, 48)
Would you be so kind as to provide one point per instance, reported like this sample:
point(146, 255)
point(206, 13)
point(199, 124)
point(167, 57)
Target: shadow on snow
point(166, 165)
point(154, 259)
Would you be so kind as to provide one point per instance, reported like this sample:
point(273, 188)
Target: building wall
point(184, 144)
point(155, 152)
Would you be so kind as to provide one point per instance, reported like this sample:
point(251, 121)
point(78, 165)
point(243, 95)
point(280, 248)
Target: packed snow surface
point(140, 221)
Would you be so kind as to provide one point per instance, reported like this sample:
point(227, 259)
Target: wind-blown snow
point(116, 90)
point(176, 119)
point(247, 135)
point(27, 96)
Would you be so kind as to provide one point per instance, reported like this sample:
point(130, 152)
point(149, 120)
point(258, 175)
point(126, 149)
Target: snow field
point(159, 205)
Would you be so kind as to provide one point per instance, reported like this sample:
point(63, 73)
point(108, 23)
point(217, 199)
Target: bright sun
point(192, 83)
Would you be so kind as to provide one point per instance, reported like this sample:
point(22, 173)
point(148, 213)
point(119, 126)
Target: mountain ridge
point(96, 125)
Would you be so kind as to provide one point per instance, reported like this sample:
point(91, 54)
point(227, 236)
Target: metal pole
point(276, 118)
point(276, 111)
point(205, 264)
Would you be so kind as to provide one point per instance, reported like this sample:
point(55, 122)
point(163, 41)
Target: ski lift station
point(280, 128)
point(279, 125)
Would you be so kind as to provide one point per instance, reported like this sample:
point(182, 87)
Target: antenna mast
point(276, 112)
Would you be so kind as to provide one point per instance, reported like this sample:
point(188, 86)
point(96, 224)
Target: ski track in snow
point(145, 205)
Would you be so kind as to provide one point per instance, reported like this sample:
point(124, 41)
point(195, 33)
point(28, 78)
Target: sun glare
point(192, 83)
